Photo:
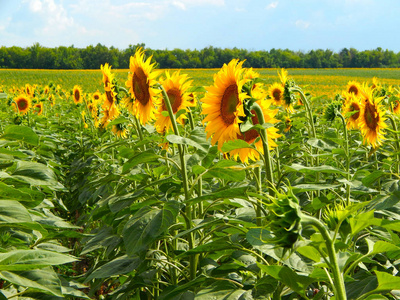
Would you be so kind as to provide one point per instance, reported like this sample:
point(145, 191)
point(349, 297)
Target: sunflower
point(96, 97)
point(46, 89)
point(176, 86)
point(29, 90)
point(275, 93)
point(110, 105)
point(120, 130)
point(396, 107)
point(52, 99)
point(288, 124)
point(351, 110)
point(108, 77)
point(223, 103)
point(38, 108)
point(252, 136)
point(353, 87)
point(77, 94)
point(371, 120)
point(141, 81)
point(23, 104)
point(83, 114)
point(375, 83)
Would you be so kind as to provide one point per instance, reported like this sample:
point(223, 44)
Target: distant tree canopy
point(91, 57)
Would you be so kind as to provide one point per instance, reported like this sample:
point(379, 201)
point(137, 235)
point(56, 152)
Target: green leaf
point(3, 95)
point(297, 283)
point(312, 170)
point(28, 196)
point(386, 282)
point(240, 192)
point(371, 178)
point(118, 266)
point(223, 290)
point(20, 133)
point(21, 260)
point(148, 225)
point(119, 120)
point(312, 187)
point(217, 245)
point(13, 212)
point(176, 139)
point(227, 170)
point(45, 280)
point(35, 174)
point(142, 157)
point(235, 144)
point(382, 246)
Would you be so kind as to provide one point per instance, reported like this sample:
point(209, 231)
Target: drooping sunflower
point(223, 103)
point(141, 84)
point(77, 94)
point(176, 87)
point(351, 110)
point(353, 87)
point(244, 154)
point(38, 108)
point(120, 130)
point(29, 90)
point(372, 118)
point(108, 77)
point(23, 104)
point(52, 99)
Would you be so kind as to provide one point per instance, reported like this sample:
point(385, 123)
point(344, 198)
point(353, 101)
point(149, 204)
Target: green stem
point(259, 191)
point(181, 149)
point(339, 288)
point(347, 153)
point(397, 143)
point(267, 154)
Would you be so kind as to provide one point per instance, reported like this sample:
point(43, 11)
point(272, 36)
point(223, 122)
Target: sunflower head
point(96, 97)
point(372, 118)
point(396, 107)
point(332, 110)
point(353, 87)
point(284, 220)
point(351, 110)
point(22, 104)
point(223, 103)
point(275, 93)
point(335, 216)
point(29, 90)
point(120, 130)
point(176, 87)
point(108, 77)
point(38, 108)
point(77, 94)
point(141, 84)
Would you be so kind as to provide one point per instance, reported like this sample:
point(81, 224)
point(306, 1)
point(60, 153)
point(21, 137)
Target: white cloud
point(302, 24)
point(272, 5)
point(35, 5)
point(179, 4)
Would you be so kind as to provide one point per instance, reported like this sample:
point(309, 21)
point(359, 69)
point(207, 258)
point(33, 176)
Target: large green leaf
point(30, 197)
point(312, 170)
point(223, 290)
point(21, 260)
point(118, 266)
point(176, 139)
point(36, 174)
point(227, 170)
point(13, 212)
point(235, 144)
point(298, 283)
point(240, 192)
point(142, 157)
point(45, 280)
point(20, 133)
point(147, 225)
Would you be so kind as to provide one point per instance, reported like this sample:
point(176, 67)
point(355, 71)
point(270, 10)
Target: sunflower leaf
point(20, 133)
point(176, 139)
point(235, 144)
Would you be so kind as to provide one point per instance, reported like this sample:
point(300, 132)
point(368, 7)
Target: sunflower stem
point(396, 135)
point(338, 287)
point(347, 153)
point(181, 149)
point(267, 154)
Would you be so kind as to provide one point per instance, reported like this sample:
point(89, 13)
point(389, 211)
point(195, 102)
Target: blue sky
point(195, 24)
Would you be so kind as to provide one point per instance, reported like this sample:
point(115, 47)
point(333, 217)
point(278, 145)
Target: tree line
point(91, 57)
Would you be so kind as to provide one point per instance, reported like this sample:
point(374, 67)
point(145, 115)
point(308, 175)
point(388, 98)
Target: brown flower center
point(110, 98)
point(355, 107)
point(175, 99)
point(140, 87)
point(353, 89)
point(229, 101)
point(371, 116)
point(22, 104)
point(277, 94)
point(77, 95)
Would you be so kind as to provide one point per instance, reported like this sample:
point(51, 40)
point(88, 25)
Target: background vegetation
point(91, 57)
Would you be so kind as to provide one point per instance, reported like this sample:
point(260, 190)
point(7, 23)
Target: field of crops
point(228, 183)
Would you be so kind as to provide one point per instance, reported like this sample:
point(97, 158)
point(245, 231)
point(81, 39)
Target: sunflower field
point(230, 183)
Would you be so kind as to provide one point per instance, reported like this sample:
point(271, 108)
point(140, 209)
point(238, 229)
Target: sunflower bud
point(284, 220)
point(333, 109)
